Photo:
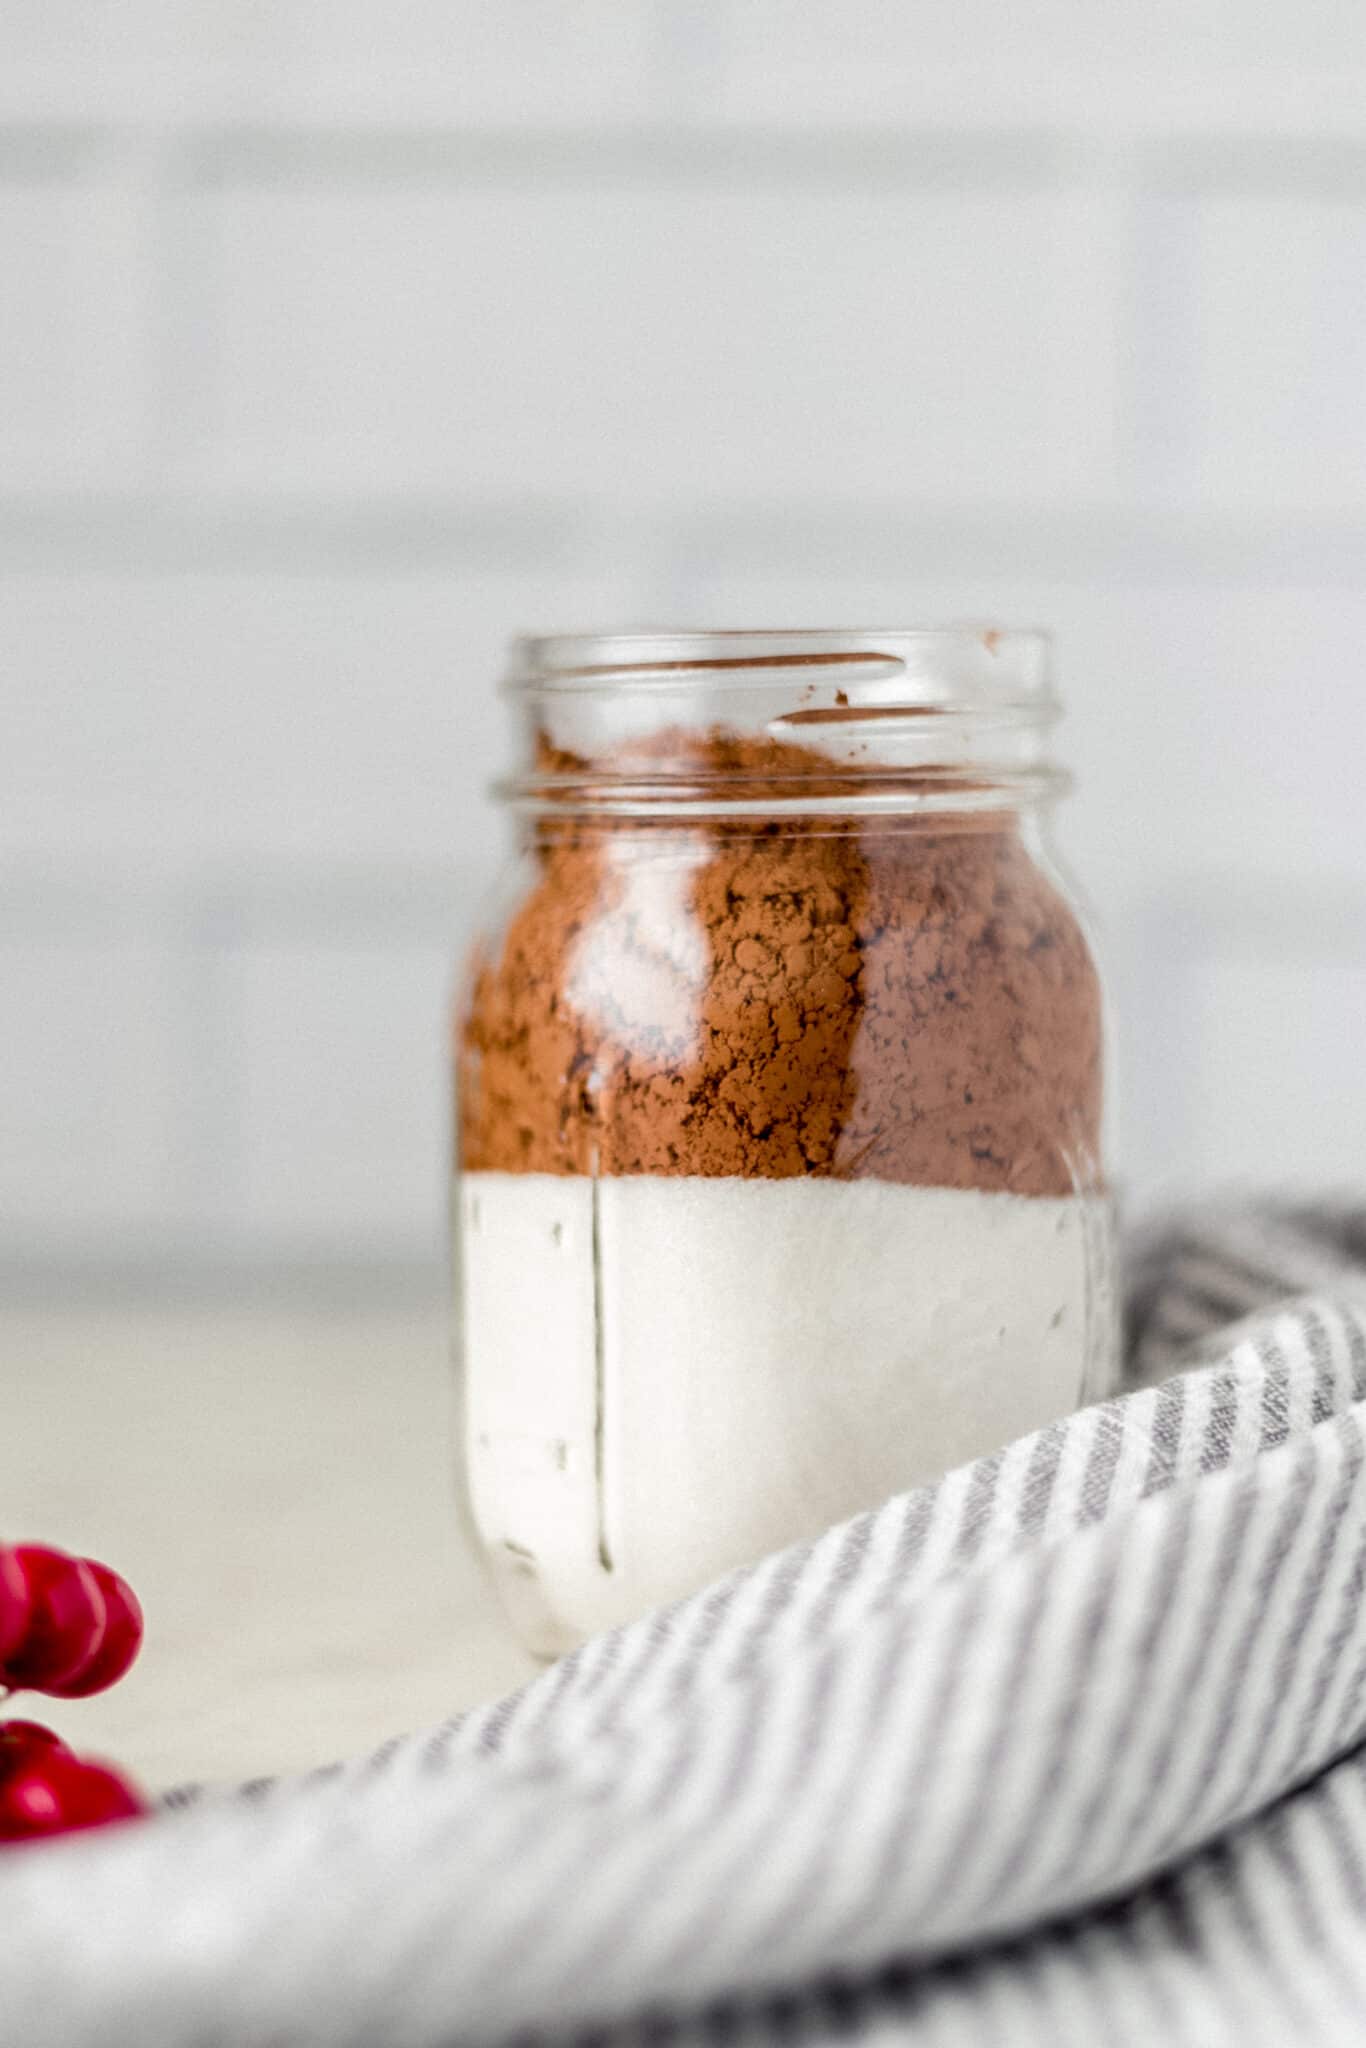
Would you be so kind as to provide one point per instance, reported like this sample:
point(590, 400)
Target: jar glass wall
point(779, 1103)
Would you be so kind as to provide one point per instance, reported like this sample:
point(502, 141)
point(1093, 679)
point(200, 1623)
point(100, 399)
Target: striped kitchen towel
point(1065, 1749)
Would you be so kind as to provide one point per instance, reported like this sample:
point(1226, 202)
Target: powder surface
point(901, 998)
point(633, 1344)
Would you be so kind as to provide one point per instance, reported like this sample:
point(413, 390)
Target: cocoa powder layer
point(896, 998)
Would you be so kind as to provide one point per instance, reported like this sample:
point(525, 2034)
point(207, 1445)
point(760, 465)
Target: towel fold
point(1063, 1748)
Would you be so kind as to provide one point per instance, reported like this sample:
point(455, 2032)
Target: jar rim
point(955, 664)
point(650, 724)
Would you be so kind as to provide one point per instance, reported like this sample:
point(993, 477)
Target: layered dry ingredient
point(779, 1141)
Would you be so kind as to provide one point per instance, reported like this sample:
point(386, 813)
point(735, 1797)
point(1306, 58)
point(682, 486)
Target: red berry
point(66, 1620)
point(93, 1793)
point(58, 1793)
point(14, 1601)
point(120, 1643)
point(29, 1805)
point(23, 1743)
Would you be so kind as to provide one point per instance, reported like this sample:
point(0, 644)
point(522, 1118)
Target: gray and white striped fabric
point(1066, 1748)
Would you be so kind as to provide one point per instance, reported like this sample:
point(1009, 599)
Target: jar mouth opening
point(902, 667)
point(837, 720)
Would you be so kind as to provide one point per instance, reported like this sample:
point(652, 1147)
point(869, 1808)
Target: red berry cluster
point(68, 1627)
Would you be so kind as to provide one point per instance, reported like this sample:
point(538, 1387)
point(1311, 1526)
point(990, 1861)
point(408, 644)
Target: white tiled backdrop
point(338, 341)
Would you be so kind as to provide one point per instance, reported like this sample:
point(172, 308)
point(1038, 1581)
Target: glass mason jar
point(779, 1101)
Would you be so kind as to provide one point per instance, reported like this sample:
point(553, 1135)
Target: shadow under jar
point(779, 1104)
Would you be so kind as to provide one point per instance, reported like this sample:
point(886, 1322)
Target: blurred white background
point(339, 341)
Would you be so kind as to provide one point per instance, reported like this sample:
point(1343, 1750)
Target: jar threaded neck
point(811, 722)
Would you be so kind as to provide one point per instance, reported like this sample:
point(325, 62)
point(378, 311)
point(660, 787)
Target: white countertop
point(277, 1486)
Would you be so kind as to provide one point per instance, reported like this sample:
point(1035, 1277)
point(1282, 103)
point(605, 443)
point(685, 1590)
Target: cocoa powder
point(904, 998)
